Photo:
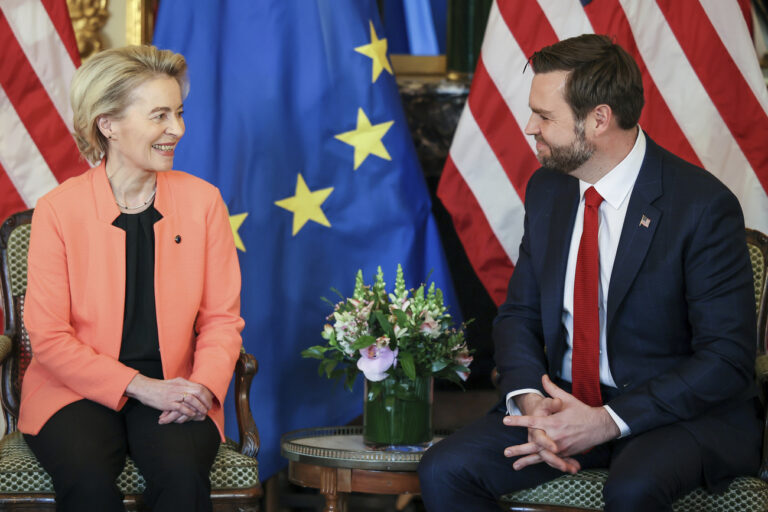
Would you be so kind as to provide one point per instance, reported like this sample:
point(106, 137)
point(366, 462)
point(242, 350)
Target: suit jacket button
point(177, 239)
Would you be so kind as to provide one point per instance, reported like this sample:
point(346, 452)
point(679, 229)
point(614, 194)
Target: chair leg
point(272, 494)
point(403, 500)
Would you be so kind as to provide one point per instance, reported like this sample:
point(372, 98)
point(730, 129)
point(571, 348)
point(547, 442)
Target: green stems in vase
point(397, 412)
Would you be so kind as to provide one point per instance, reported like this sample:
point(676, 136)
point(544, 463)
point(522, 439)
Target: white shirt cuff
point(623, 427)
point(512, 409)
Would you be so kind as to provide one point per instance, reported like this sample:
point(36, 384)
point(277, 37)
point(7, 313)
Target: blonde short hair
point(103, 86)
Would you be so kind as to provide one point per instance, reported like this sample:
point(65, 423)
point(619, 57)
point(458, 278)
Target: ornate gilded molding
point(139, 21)
point(88, 18)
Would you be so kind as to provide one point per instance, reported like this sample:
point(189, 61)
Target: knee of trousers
point(635, 492)
point(444, 466)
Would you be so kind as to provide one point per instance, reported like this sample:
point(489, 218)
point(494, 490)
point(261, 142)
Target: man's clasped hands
point(559, 427)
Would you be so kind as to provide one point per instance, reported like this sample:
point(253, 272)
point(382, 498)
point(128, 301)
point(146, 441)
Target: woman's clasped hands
point(180, 399)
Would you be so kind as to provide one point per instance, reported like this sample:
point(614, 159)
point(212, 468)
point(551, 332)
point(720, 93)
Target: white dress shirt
point(615, 188)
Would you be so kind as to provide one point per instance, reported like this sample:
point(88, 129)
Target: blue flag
point(294, 113)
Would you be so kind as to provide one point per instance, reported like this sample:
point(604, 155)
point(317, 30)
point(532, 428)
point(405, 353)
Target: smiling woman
point(142, 139)
point(97, 93)
point(135, 334)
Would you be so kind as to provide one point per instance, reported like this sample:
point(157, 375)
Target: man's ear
point(601, 115)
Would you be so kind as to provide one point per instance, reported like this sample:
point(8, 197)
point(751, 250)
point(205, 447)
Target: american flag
point(39, 57)
point(706, 101)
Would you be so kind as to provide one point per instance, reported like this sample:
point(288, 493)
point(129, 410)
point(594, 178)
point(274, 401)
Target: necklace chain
point(151, 196)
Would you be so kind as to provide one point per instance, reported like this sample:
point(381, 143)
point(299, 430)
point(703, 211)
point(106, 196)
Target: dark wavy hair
point(599, 72)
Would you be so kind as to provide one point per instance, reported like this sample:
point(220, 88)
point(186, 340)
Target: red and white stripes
point(705, 101)
point(39, 57)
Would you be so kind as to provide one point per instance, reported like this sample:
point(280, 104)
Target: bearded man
point(627, 337)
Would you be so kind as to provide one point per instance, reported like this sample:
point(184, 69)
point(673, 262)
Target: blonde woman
point(133, 301)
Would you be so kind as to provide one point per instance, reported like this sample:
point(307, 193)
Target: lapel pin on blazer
point(177, 239)
point(645, 222)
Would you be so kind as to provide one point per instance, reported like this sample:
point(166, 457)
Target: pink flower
point(376, 360)
point(464, 359)
point(430, 327)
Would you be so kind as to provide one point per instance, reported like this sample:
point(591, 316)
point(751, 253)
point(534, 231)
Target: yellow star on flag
point(377, 51)
point(305, 205)
point(366, 138)
point(235, 221)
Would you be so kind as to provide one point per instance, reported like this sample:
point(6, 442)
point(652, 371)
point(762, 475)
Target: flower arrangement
point(407, 333)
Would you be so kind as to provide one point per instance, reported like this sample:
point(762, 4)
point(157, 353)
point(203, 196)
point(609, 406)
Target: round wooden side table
point(335, 461)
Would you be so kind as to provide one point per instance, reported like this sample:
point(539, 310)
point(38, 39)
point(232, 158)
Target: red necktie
point(585, 364)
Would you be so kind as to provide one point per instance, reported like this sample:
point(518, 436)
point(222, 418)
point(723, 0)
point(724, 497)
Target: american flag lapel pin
point(645, 221)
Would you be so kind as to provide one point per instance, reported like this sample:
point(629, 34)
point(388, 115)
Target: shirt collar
point(615, 186)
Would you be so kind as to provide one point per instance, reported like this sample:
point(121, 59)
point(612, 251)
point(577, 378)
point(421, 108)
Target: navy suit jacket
point(681, 325)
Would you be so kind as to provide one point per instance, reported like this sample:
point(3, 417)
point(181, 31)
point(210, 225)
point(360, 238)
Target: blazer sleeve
point(75, 364)
point(218, 323)
point(517, 330)
point(721, 314)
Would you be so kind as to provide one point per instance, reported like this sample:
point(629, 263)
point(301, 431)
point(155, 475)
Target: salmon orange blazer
point(76, 294)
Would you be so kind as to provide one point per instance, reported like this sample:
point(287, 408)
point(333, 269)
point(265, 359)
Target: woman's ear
point(105, 126)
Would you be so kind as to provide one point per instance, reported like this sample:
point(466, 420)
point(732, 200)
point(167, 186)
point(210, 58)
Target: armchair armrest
point(763, 474)
point(761, 371)
point(245, 369)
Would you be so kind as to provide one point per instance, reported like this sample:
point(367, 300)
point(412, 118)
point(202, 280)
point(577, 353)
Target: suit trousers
point(468, 470)
point(83, 447)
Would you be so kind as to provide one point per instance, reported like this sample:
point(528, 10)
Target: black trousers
point(468, 470)
point(648, 471)
point(83, 447)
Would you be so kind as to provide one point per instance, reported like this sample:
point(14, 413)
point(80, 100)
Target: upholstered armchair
point(584, 490)
point(24, 485)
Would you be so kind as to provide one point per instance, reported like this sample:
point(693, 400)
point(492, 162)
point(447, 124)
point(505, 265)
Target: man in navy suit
point(627, 337)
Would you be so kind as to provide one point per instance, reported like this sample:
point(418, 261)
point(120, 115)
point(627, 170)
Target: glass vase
point(397, 412)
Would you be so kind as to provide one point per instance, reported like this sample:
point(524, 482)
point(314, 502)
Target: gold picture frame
point(88, 18)
point(139, 21)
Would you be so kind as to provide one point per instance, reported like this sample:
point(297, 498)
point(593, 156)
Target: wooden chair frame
point(760, 241)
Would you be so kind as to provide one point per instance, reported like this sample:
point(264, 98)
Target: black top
point(140, 349)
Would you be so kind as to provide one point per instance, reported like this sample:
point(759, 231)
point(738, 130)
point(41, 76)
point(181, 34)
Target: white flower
point(346, 327)
point(346, 347)
point(430, 327)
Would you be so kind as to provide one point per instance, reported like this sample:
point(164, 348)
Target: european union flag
point(294, 114)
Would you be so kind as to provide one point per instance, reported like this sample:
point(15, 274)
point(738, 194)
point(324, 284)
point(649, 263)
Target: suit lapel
point(564, 206)
point(640, 224)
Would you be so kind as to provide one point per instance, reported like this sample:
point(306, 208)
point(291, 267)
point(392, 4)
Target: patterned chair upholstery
point(584, 490)
point(24, 485)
